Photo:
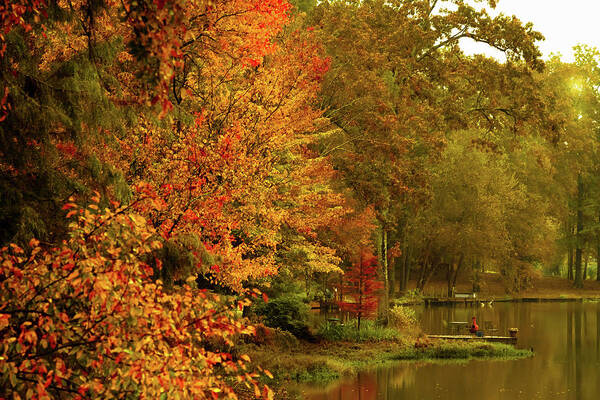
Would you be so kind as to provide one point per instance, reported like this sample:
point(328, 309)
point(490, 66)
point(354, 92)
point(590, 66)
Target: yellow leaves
point(4, 321)
point(138, 220)
point(16, 249)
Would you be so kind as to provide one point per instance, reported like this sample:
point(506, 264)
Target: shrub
point(413, 296)
point(289, 313)
point(86, 318)
point(332, 331)
point(403, 317)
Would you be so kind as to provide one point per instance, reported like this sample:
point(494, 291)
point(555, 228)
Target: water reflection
point(565, 337)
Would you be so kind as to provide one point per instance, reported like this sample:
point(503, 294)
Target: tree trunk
point(422, 271)
point(460, 261)
point(399, 267)
point(405, 268)
point(585, 268)
point(449, 278)
point(453, 270)
point(570, 262)
point(392, 278)
point(598, 254)
point(578, 270)
point(402, 261)
point(360, 288)
point(429, 267)
point(386, 281)
point(578, 239)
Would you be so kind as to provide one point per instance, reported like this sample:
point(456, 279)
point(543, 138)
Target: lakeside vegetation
point(327, 361)
point(180, 179)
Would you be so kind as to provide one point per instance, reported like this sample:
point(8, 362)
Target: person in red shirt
point(474, 327)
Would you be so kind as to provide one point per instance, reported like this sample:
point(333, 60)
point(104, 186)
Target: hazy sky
point(563, 23)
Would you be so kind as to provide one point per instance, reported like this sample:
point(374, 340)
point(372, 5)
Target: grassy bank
point(327, 361)
point(459, 350)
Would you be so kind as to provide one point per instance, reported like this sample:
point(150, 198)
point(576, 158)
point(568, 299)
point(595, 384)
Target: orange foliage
point(84, 320)
point(221, 176)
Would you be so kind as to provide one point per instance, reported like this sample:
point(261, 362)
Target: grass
point(328, 361)
point(344, 351)
point(458, 350)
point(369, 332)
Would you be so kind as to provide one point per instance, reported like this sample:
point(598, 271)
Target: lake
point(564, 335)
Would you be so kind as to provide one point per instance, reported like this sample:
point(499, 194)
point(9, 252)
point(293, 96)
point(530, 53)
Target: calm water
point(564, 336)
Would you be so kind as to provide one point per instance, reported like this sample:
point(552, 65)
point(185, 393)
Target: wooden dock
point(495, 339)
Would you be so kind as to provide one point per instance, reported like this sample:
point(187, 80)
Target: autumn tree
point(193, 114)
point(576, 156)
point(399, 82)
point(361, 285)
point(234, 165)
point(234, 85)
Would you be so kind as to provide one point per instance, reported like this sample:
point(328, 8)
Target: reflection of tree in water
point(363, 387)
point(582, 378)
point(578, 355)
point(366, 389)
point(401, 377)
point(569, 344)
point(598, 331)
point(566, 339)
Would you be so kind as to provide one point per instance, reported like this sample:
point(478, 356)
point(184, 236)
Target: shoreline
point(476, 301)
point(325, 362)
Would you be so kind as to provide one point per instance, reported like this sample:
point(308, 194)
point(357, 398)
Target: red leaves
point(159, 4)
point(19, 13)
point(319, 67)
point(253, 62)
point(4, 105)
point(68, 206)
point(171, 30)
point(68, 148)
point(199, 118)
point(82, 389)
point(362, 285)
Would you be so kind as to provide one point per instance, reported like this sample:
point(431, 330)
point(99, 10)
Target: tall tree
point(399, 82)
